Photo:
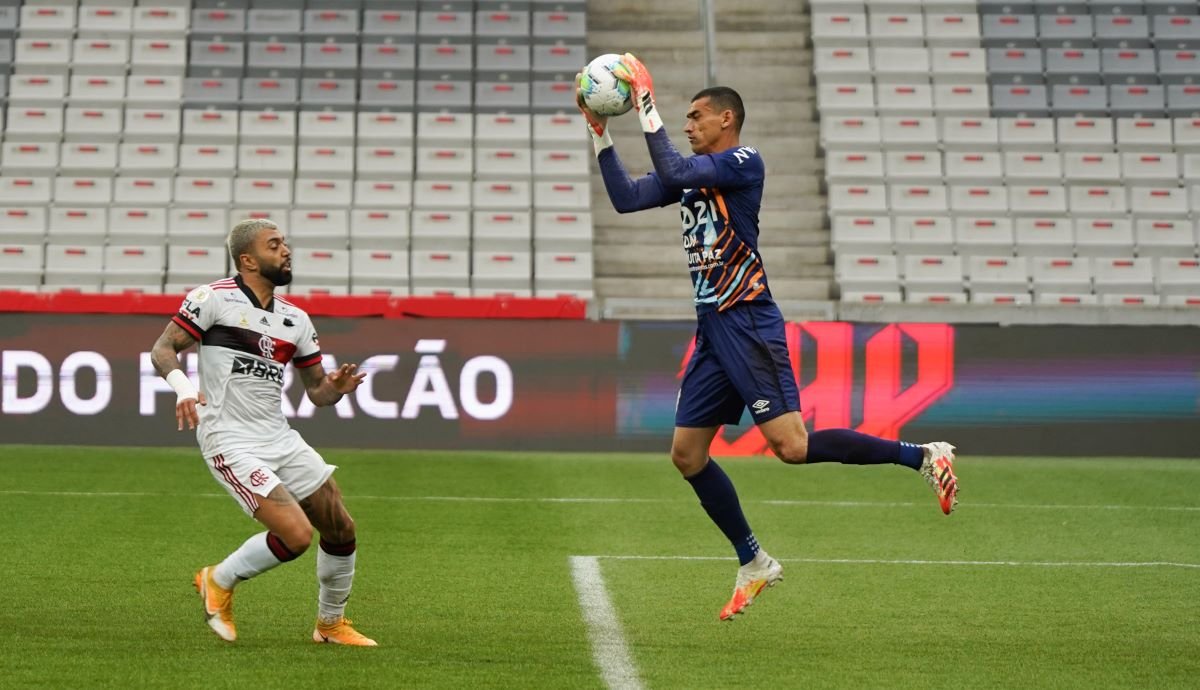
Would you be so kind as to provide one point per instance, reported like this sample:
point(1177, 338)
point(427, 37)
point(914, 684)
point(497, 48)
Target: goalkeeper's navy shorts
point(740, 361)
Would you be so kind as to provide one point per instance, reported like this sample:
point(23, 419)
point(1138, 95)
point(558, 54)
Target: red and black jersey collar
point(252, 297)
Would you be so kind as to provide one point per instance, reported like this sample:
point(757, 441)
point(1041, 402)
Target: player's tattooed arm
point(326, 389)
point(165, 353)
point(165, 356)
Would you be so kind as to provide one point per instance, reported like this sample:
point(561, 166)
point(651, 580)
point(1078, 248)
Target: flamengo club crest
point(266, 345)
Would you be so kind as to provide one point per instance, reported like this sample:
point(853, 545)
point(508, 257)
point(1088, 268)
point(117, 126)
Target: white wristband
point(648, 114)
point(182, 385)
point(600, 142)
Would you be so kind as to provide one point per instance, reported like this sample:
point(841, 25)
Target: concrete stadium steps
point(763, 52)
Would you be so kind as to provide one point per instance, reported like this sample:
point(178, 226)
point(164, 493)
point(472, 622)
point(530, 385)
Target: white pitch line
point(629, 500)
point(609, 649)
point(899, 561)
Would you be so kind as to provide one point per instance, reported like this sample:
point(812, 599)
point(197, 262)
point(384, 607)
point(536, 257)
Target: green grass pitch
point(99, 546)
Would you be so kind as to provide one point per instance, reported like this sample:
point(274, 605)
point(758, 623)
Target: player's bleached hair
point(723, 98)
point(241, 237)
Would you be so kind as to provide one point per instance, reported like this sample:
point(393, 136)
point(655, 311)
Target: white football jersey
point(244, 347)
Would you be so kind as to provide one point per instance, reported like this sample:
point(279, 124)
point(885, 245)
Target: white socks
point(257, 555)
point(335, 573)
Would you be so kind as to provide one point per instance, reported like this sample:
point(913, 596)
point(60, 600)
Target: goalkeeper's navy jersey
point(720, 233)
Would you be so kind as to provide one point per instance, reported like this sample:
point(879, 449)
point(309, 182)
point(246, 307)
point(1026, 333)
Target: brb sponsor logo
point(248, 366)
point(885, 395)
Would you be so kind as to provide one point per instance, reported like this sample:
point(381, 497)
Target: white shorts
point(249, 474)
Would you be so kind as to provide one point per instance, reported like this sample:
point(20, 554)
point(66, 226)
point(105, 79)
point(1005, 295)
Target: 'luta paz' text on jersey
point(720, 233)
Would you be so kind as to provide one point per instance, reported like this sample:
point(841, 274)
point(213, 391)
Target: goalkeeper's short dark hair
point(724, 98)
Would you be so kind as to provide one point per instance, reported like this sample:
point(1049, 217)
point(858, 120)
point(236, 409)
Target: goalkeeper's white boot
point(938, 470)
point(752, 579)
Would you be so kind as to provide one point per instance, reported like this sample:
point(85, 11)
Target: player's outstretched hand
point(185, 410)
point(344, 379)
point(597, 123)
point(632, 71)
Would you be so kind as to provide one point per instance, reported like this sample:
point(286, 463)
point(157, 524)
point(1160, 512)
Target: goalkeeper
point(741, 357)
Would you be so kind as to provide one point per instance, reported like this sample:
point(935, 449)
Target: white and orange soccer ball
point(603, 93)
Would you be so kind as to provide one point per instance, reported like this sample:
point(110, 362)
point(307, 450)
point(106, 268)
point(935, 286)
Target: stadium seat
point(1103, 237)
point(1139, 100)
point(217, 21)
point(137, 225)
point(970, 133)
point(74, 266)
point(1122, 31)
point(1079, 100)
point(872, 296)
point(1085, 133)
point(933, 274)
point(1179, 276)
point(1175, 31)
point(319, 228)
point(857, 199)
point(909, 132)
point(854, 166)
point(1065, 30)
point(978, 199)
point(1044, 236)
point(857, 132)
point(842, 65)
point(1008, 30)
point(951, 29)
point(20, 264)
point(861, 234)
point(1071, 66)
point(961, 99)
point(1021, 167)
point(1015, 65)
point(983, 235)
point(1150, 168)
point(1094, 167)
point(1139, 134)
point(1123, 276)
point(867, 272)
point(197, 227)
point(1061, 274)
point(207, 159)
point(29, 158)
point(1020, 100)
point(916, 235)
point(23, 224)
point(839, 29)
point(913, 166)
point(1059, 299)
point(141, 265)
point(1178, 66)
point(1158, 201)
point(973, 167)
point(1172, 237)
point(960, 65)
point(73, 224)
point(379, 229)
point(894, 64)
point(379, 267)
point(845, 99)
point(1183, 100)
point(997, 274)
point(1037, 199)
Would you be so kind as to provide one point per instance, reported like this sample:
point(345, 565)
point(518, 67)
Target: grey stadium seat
point(1137, 100)
point(1009, 30)
point(1073, 66)
point(1015, 65)
point(210, 91)
point(1178, 66)
point(1122, 31)
point(1128, 66)
point(1183, 100)
point(217, 58)
point(1065, 31)
point(1079, 99)
point(1176, 31)
point(1019, 100)
point(218, 21)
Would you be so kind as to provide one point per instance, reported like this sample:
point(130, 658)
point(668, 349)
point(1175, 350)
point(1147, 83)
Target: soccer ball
point(603, 93)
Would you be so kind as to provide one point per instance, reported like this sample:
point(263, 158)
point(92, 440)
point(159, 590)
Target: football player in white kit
point(247, 334)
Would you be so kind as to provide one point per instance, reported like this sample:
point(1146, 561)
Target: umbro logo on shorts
point(761, 406)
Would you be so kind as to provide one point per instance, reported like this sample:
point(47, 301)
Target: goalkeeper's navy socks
point(852, 448)
point(719, 499)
